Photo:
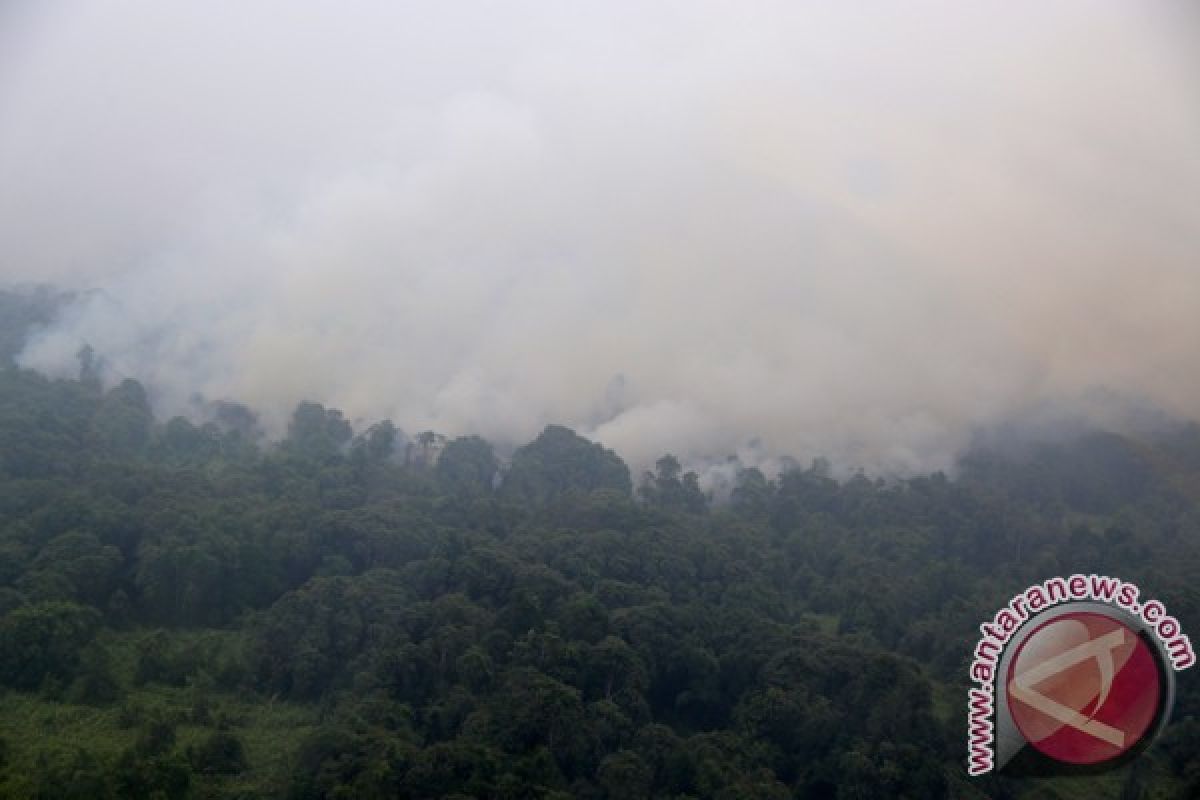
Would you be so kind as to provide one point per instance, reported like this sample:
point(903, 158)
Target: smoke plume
point(854, 230)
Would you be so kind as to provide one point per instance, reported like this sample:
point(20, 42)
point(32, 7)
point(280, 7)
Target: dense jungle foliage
point(189, 611)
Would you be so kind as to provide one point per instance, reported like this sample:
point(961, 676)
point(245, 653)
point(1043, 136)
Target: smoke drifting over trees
point(856, 232)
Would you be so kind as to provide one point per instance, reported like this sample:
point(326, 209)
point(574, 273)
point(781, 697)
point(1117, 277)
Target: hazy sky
point(854, 229)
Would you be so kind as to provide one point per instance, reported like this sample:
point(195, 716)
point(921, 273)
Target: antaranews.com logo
point(1073, 675)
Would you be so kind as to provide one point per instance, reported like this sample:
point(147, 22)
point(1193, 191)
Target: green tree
point(221, 752)
point(467, 465)
point(122, 424)
point(625, 776)
point(44, 640)
point(317, 432)
point(558, 461)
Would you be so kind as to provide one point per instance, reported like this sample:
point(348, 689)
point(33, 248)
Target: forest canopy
point(190, 610)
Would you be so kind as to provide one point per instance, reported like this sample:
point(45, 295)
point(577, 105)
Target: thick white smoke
point(857, 230)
